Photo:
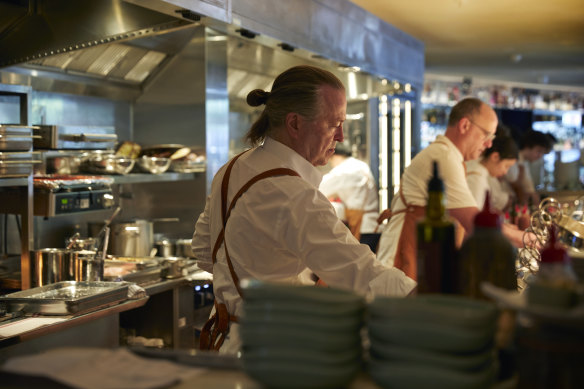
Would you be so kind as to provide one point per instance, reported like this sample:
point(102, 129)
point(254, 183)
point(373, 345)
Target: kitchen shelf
point(18, 181)
point(145, 177)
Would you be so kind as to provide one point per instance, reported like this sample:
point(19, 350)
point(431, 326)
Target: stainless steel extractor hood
point(90, 36)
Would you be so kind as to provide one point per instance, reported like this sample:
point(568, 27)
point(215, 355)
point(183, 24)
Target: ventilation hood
point(90, 37)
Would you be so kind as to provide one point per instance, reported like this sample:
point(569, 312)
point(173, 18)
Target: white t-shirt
point(415, 189)
point(477, 178)
point(282, 229)
point(353, 182)
point(480, 181)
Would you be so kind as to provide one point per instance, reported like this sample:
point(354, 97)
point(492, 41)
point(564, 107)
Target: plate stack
point(301, 336)
point(432, 341)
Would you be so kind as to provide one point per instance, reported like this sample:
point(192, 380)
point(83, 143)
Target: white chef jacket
point(414, 184)
point(281, 229)
point(353, 182)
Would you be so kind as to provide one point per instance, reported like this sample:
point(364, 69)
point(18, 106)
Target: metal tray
point(66, 297)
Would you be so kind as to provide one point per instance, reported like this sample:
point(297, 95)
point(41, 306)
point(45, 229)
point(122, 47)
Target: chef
point(351, 182)
point(265, 217)
point(471, 128)
point(483, 174)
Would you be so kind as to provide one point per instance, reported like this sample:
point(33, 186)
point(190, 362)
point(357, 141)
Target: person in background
point(471, 129)
point(533, 146)
point(351, 182)
point(483, 174)
point(266, 219)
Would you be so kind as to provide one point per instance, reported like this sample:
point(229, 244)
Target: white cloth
point(281, 229)
point(414, 184)
point(353, 182)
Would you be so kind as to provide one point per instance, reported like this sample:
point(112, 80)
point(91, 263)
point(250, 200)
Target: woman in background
point(483, 174)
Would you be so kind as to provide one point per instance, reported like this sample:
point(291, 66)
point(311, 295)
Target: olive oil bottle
point(436, 251)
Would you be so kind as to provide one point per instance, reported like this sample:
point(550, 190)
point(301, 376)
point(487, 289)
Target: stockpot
point(52, 265)
point(132, 239)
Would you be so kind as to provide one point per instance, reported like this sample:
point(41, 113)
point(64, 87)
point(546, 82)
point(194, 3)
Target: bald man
point(471, 129)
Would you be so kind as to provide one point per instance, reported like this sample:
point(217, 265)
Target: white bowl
point(430, 336)
point(454, 311)
point(301, 375)
point(412, 375)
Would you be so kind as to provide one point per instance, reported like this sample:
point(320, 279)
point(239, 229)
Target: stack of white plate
point(432, 341)
point(301, 336)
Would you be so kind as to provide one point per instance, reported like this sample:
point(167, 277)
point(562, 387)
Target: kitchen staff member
point(483, 174)
point(534, 145)
point(275, 225)
point(471, 129)
point(350, 180)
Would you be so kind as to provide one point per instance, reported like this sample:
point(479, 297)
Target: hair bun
point(257, 97)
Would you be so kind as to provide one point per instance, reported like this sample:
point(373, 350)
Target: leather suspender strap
point(226, 212)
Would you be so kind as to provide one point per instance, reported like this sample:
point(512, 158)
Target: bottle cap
point(486, 217)
point(435, 184)
point(553, 252)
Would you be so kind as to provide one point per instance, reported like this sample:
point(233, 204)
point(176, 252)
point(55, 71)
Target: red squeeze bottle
point(524, 220)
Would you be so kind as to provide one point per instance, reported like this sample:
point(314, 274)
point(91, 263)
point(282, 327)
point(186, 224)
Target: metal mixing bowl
point(154, 165)
point(109, 164)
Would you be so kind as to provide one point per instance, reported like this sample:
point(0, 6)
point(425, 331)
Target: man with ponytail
point(266, 219)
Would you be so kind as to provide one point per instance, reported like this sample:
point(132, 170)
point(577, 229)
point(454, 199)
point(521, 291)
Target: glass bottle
point(436, 252)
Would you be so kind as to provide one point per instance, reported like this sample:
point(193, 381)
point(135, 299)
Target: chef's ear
point(292, 122)
point(464, 125)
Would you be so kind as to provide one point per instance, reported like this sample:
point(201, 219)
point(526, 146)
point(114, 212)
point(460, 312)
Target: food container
point(153, 165)
point(66, 297)
point(107, 163)
point(52, 265)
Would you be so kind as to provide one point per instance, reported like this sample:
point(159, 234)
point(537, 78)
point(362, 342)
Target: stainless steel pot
point(132, 239)
point(52, 265)
point(86, 266)
point(164, 248)
point(173, 267)
point(183, 248)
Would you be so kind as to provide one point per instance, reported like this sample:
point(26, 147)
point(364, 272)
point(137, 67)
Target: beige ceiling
point(526, 41)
